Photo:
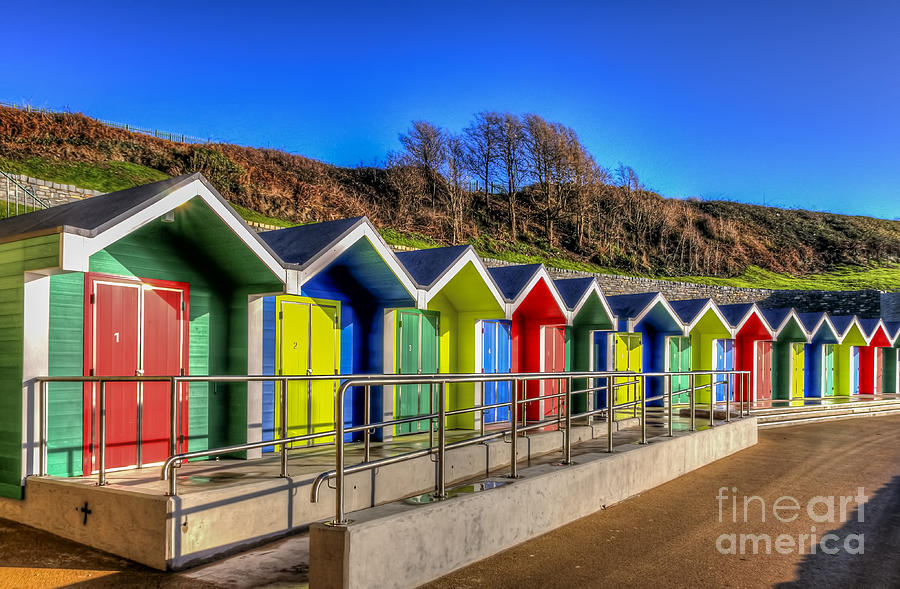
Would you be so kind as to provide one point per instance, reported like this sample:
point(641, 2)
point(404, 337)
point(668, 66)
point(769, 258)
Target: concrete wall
point(403, 545)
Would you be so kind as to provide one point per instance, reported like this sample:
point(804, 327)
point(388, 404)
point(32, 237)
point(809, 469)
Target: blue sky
point(795, 104)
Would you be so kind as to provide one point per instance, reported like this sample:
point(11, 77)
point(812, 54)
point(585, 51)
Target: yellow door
point(627, 356)
point(308, 339)
point(798, 358)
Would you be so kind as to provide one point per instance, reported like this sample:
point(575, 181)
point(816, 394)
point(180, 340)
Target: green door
point(828, 370)
point(679, 350)
point(417, 353)
point(797, 374)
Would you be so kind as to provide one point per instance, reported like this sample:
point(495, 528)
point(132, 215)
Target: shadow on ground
point(876, 566)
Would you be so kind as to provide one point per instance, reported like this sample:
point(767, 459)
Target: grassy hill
point(719, 242)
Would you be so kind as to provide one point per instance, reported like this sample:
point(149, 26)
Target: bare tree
point(460, 198)
point(482, 142)
point(511, 148)
point(425, 144)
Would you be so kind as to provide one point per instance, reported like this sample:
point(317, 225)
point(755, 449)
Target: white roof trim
point(594, 287)
point(846, 332)
point(658, 299)
point(77, 250)
point(792, 313)
point(456, 267)
point(754, 309)
point(540, 273)
point(711, 305)
point(362, 230)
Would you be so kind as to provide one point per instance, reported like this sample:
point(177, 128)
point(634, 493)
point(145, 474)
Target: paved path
point(665, 537)
point(668, 536)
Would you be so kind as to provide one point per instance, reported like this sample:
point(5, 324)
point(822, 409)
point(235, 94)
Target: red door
point(879, 370)
point(118, 342)
point(763, 371)
point(162, 357)
point(554, 360)
point(114, 317)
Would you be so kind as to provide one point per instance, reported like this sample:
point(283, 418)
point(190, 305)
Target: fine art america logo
point(824, 514)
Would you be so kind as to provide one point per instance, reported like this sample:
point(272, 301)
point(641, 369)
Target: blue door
point(724, 359)
point(495, 358)
point(854, 390)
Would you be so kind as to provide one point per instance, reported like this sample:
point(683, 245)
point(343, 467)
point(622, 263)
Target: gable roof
point(512, 279)
point(309, 249)
point(87, 226)
point(811, 321)
point(633, 308)
point(735, 313)
point(301, 244)
point(573, 289)
point(689, 309)
point(92, 216)
point(426, 266)
point(842, 323)
point(629, 306)
point(871, 326)
point(893, 330)
point(575, 293)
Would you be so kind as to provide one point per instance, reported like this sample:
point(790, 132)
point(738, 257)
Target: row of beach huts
point(166, 279)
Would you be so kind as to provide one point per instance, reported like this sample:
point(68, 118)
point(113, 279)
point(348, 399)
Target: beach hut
point(788, 353)
point(819, 354)
point(871, 356)
point(641, 343)
point(590, 313)
point(457, 290)
point(347, 282)
point(753, 337)
point(846, 354)
point(538, 318)
point(891, 366)
point(154, 280)
point(711, 344)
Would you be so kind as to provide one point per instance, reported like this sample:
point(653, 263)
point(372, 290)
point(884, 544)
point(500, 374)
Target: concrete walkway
point(665, 537)
point(668, 536)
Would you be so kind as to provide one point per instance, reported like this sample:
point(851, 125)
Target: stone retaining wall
point(51, 193)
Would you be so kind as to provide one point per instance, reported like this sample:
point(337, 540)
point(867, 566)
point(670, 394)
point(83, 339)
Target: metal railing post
point(430, 419)
point(712, 401)
point(693, 405)
point(441, 490)
point(670, 403)
point(481, 413)
point(283, 402)
point(102, 468)
point(728, 398)
point(610, 400)
point(367, 435)
point(514, 435)
point(44, 404)
point(173, 417)
point(643, 404)
point(568, 398)
point(339, 456)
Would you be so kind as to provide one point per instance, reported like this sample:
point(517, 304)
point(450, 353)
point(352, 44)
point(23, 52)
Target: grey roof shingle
point(512, 279)
point(298, 245)
point(428, 265)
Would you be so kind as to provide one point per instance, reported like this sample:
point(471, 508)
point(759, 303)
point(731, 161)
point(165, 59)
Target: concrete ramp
point(405, 544)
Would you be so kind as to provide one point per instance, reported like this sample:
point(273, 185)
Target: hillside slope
point(636, 231)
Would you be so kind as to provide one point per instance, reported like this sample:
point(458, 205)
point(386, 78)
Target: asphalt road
point(672, 536)
point(666, 537)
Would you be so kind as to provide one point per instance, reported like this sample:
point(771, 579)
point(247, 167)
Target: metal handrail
point(35, 200)
point(564, 419)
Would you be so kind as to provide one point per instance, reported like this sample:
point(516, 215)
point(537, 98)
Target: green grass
point(882, 277)
point(407, 239)
point(104, 177)
point(12, 209)
point(251, 215)
point(525, 253)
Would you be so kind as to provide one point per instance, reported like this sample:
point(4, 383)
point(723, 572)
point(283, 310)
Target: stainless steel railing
point(563, 418)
